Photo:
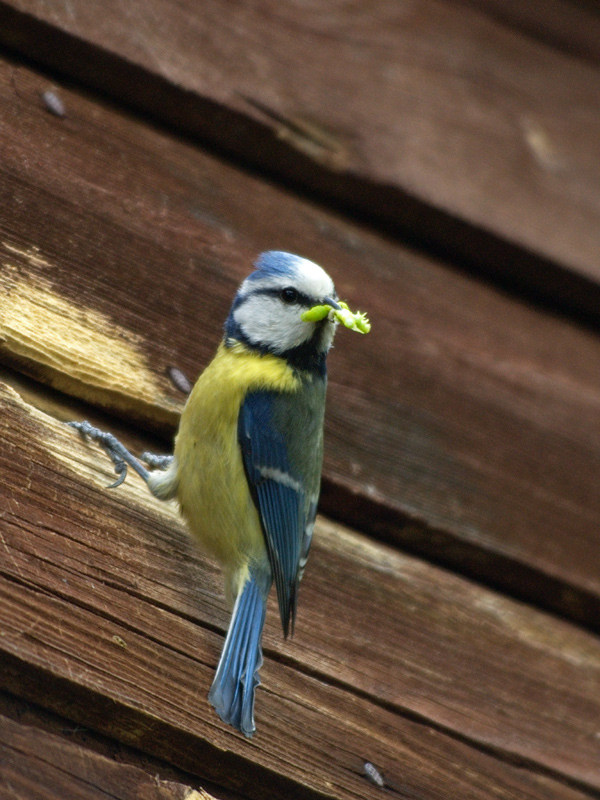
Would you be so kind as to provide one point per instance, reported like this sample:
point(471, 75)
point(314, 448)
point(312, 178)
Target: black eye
point(289, 295)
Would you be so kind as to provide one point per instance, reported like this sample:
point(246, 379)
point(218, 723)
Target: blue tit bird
point(246, 467)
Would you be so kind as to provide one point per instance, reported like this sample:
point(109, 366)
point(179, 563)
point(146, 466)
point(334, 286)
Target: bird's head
point(267, 312)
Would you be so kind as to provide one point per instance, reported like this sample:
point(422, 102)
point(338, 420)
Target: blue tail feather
point(232, 691)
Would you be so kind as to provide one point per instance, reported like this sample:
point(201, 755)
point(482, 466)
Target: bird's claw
point(118, 453)
point(121, 470)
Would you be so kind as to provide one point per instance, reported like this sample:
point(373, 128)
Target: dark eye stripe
point(301, 298)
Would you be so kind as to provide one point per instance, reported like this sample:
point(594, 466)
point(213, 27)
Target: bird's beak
point(327, 301)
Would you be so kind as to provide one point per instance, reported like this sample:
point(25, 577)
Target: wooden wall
point(442, 161)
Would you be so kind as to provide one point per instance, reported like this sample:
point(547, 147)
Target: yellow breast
point(212, 488)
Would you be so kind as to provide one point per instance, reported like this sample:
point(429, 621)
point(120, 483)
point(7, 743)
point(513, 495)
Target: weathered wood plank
point(32, 727)
point(35, 764)
point(104, 601)
point(569, 25)
point(432, 117)
point(465, 426)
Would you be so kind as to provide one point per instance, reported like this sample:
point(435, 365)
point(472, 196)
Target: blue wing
point(278, 494)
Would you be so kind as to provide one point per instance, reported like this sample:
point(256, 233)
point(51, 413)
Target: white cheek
point(266, 321)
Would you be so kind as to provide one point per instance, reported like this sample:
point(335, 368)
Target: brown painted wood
point(465, 426)
point(41, 733)
point(434, 118)
point(36, 765)
point(569, 25)
point(112, 619)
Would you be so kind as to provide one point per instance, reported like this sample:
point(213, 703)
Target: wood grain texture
point(33, 733)
point(38, 766)
point(110, 618)
point(572, 26)
point(465, 426)
point(433, 117)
